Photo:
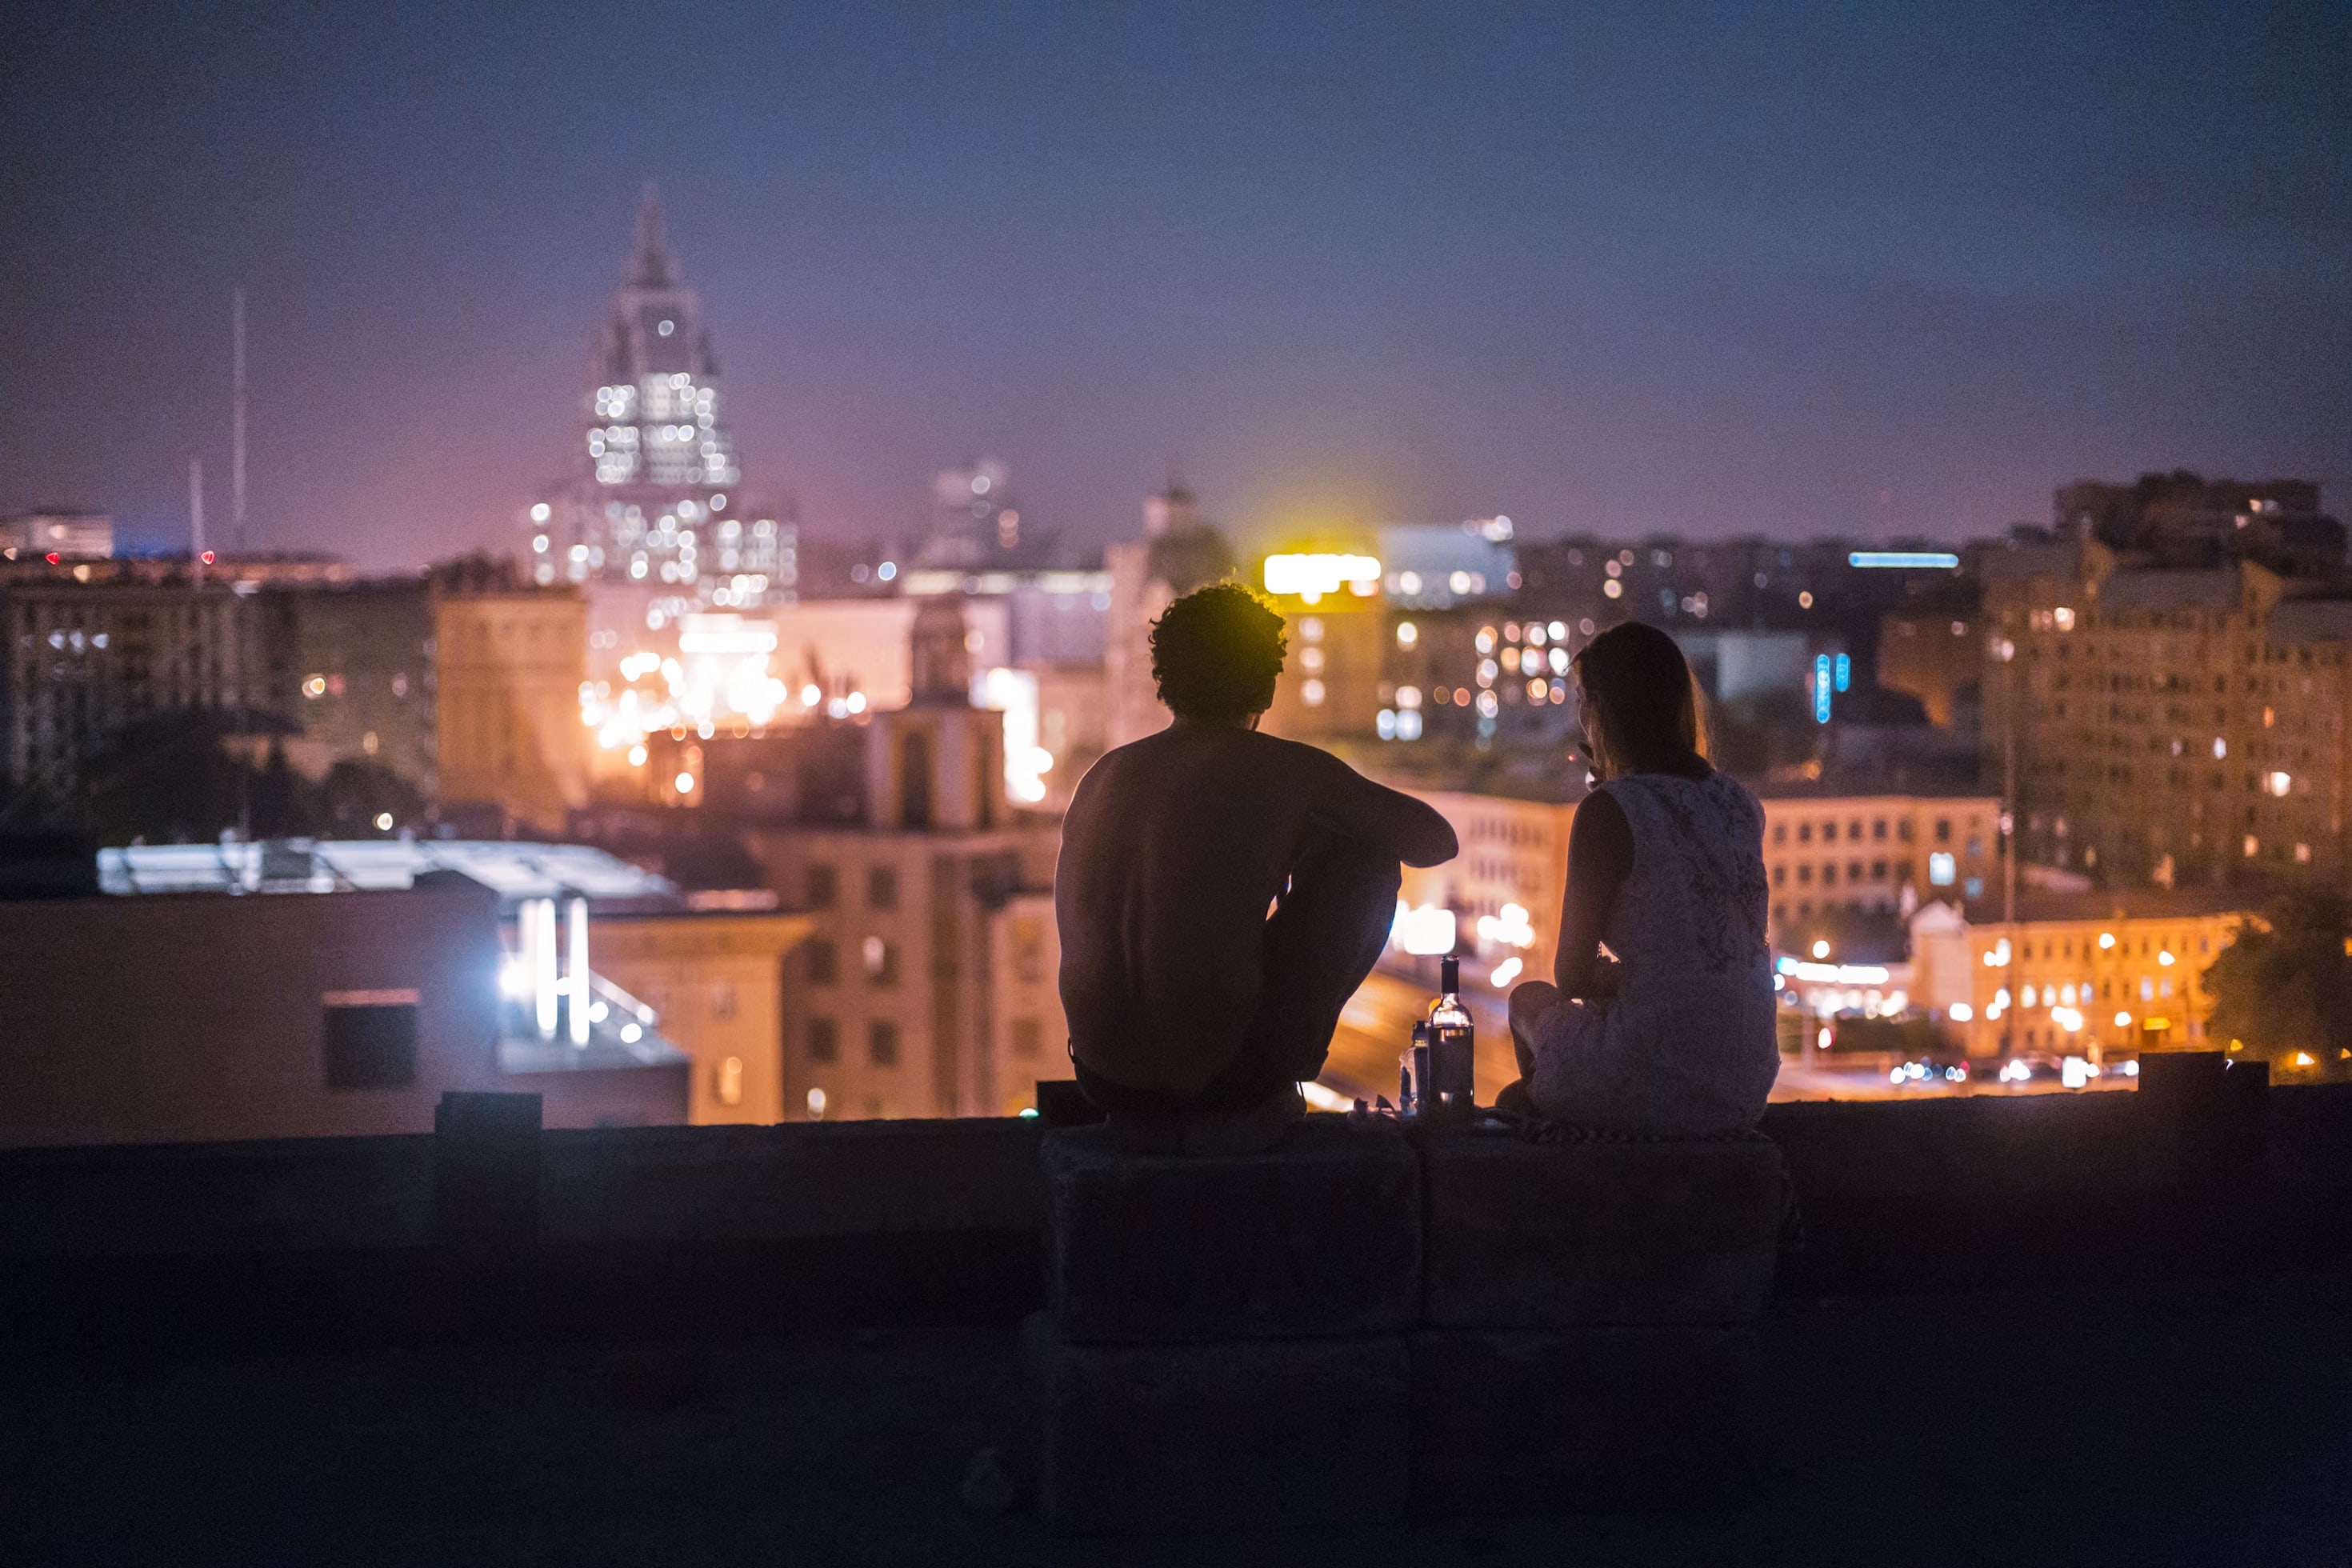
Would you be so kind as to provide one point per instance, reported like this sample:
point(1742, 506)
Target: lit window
point(1942, 870)
point(727, 1083)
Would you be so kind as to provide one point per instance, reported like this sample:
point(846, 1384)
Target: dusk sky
point(1660, 271)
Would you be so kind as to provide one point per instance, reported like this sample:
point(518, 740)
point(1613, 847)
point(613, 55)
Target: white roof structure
point(513, 870)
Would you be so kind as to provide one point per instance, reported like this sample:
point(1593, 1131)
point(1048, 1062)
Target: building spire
point(652, 268)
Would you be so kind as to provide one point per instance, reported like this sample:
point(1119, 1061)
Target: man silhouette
point(1222, 893)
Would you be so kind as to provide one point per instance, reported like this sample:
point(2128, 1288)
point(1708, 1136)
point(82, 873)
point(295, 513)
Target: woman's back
point(1687, 1044)
point(1693, 903)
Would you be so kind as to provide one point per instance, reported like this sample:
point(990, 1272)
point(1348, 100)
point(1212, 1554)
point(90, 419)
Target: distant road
point(1377, 1026)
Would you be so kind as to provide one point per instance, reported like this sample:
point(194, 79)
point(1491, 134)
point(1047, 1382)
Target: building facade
point(83, 660)
point(2075, 974)
point(2170, 725)
point(510, 661)
point(56, 536)
point(365, 980)
point(655, 498)
point(1829, 858)
point(352, 665)
point(919, 884)
point(1179, 551)
point(717, 981)
point(1505, 887)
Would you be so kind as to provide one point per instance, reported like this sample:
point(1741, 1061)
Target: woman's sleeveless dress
point(1687, 1044)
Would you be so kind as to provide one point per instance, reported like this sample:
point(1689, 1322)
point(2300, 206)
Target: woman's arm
point(1600, 859)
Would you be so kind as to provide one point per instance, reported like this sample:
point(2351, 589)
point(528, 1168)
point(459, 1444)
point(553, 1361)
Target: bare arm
point(1600, 858)
point(1380, 817)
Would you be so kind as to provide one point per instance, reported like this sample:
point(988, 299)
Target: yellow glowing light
point(685, 783)
point(1511, 927)
point(1426, 932)
point(636, 756)
point(2107, 939)
point(1304, 576)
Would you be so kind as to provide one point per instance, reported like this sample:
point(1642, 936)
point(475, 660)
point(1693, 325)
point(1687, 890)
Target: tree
point(358, 794)
point(167, 777)
point(2282, 990)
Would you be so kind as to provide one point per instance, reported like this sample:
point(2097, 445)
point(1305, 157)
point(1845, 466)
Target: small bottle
point(1452, 1080)
point(1416, 1071)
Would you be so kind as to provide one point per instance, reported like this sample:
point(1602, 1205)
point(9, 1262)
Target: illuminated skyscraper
point(655, 498)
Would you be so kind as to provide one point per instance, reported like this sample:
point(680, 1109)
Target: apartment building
point(921, 897)
point(2088, 975)
point(1504, 887)
point(1830, 856)
point(510, 661)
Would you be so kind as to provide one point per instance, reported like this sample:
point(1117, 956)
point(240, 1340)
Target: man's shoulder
point(1234, 759)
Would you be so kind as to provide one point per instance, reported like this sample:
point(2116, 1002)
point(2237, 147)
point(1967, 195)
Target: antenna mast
point(196, 512)
point(236, 424)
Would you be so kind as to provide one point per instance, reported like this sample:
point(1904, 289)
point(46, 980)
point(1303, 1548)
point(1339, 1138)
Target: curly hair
point(1215, 653)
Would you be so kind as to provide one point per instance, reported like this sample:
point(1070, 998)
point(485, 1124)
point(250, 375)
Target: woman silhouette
point(1673, 1032)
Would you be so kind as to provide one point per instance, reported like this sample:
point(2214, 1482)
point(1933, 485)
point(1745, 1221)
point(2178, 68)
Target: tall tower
point(656, 496)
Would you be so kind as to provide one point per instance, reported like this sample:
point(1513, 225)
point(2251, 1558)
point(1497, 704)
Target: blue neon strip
point(1923, 560)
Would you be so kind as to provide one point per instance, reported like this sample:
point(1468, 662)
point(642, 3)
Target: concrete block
point(1598, 1231)
point(486, 1163)
point(1588, 1420)
point(1270, 1435)
point(1320, 1235)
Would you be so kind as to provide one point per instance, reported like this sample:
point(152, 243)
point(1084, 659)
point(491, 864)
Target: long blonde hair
point(1644, 709)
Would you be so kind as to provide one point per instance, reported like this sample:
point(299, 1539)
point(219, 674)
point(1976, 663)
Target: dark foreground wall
point(761, 1229)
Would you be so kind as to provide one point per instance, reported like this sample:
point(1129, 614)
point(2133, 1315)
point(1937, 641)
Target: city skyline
point(1879, 278)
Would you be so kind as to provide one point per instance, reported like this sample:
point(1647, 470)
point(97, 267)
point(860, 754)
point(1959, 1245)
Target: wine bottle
point(1453, 1056)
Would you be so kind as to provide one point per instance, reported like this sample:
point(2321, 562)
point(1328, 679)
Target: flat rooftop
point(513, 870)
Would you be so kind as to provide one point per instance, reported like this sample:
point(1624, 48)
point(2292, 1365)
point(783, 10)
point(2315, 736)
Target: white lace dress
point(1687, 1046)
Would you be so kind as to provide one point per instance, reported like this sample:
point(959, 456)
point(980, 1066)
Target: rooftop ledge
point(625, 1230)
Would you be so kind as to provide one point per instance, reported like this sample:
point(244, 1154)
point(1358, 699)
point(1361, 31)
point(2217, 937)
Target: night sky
point(1669, 271)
